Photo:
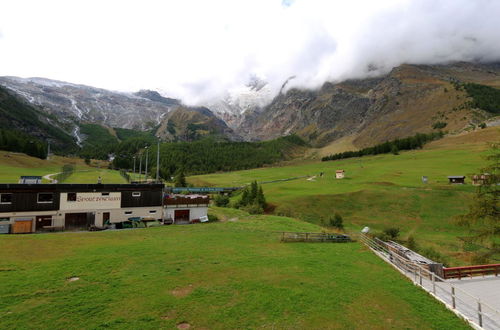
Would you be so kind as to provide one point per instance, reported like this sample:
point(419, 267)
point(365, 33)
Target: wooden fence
point(478, 313)
point(470, 271)
point(314, 237)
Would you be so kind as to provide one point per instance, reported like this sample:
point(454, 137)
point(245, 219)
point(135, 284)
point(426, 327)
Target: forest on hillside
point(413, 142)
point(210, 155)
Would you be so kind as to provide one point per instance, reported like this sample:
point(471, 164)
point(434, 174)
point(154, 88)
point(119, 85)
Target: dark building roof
point(30, 177)
point(13, 187)
point(456, 177)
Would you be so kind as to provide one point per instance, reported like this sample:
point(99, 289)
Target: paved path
point(460, 296)
point(49, 177)
point(486, 288)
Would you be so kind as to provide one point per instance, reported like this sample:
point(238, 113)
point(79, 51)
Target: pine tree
point(483, 217)
point(261, 199)
point(253, 192)
point(180, 179)
point(245, 197)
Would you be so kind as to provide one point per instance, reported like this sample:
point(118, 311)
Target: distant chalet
point(339, 174)
point(457, 179)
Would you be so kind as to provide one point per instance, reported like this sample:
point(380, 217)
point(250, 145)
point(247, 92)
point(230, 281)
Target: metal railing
point(478, 313)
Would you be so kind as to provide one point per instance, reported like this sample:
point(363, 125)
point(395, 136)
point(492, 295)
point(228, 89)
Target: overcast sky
point(196, 50)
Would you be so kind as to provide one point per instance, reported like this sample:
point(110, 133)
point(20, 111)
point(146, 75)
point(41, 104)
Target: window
point(71, 197)
point(105, 194)
point(136, 194)
point(4, 219)
point(152, 211)
point(5, 198)
point(45, 197)
point(128, 212)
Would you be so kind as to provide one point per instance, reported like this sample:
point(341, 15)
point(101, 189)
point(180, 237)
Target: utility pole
point(158, 163)
point(134, 167)
point(147, 152)
point(140, 167)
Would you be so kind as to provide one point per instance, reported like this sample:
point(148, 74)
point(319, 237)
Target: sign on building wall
point(92, 201)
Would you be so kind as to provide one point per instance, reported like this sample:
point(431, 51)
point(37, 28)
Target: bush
point(253, 209)
point(411, 243)
point(337, 221)
point(439, 125)
point(392, 233)
point(221, 200)
point(212, 218)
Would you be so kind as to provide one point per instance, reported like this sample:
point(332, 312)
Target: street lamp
point(134, 167)
point(146, 162)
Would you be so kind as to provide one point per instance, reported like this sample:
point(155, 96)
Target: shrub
point(221, 200)
point(337, 221)
point(212, 218)
point(253, 209)
point(392, 233)
point(439, 125)
point(411, 243)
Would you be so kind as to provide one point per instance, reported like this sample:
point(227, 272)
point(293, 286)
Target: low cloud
point(198, 50)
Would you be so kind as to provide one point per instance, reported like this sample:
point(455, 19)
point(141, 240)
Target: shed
point(480, 179)
point(339, 174)
point(30, 179)
point(457, 179)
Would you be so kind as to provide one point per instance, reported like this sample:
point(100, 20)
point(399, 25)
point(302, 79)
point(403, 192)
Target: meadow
point(380, 191)
point(13, 165)
point(229, 274)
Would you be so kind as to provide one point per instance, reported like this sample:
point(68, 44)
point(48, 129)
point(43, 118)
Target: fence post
point(433, 284)
point(479, 313)
point(453, 297)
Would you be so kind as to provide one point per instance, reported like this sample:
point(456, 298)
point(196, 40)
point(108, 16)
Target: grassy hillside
point(13, 165)
point(224, 275)
point(17, 115)
point(380, 191)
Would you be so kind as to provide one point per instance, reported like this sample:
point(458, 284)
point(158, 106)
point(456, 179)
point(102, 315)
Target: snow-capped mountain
point(241, 102)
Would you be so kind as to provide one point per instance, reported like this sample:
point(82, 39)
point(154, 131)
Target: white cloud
point(196, 50)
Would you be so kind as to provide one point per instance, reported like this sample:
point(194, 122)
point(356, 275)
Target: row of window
point(130, 212)
point(6, 198)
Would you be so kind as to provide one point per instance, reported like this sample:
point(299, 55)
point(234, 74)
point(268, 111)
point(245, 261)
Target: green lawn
point(92, 175)
point(378, 191)
point(232, 274)
point(14, 165)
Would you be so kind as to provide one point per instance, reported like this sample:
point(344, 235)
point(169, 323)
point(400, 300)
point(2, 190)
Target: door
point(181, 215)
point(22, 226)
point(105, 218)
point(76, 221)
point(41, 221)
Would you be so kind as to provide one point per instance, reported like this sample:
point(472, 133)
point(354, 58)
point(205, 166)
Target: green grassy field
point(380, 191)
point(225, 275)
point(91, 176)
point(14, 165)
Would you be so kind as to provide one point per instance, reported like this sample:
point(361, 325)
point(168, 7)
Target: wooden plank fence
point(314, 237)
point(470, 271)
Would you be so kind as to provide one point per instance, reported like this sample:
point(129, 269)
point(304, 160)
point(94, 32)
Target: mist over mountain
point(226, 43)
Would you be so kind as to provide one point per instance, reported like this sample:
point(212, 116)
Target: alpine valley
point(338, 116)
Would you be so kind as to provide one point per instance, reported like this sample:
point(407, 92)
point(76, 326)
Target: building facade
point(39, 207)
point(185, 208)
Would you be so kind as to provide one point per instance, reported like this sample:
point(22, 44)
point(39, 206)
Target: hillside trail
point(49, 177)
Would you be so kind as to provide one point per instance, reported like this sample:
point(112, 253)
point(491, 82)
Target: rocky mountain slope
point(79, 103)
point(17, 115)
point(193, 123)
point(356, 113)
point(408, 100)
